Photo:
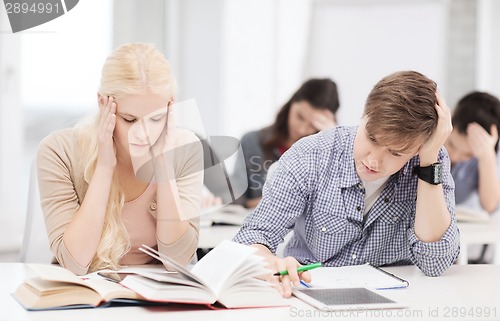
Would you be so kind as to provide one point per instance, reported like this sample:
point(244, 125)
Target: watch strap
point(431, 174)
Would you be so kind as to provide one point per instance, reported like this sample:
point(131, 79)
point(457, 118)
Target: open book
point(226, 275)
point(57, 288)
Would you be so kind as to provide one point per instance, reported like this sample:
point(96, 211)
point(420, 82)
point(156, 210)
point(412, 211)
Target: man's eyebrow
point(400, 151)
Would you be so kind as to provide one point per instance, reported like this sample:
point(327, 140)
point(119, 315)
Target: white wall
point(356, 43)
point(242, 69)
point(62, 59)
point(12, 205)
point(264, 45)
point(248, 71)
point(488, 46)
point(197, 61)
point(270, 47)
point(240, 60)
point(495, 47)
point(48, 74)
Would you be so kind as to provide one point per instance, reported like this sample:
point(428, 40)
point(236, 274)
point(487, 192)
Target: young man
point(380, 193)
point(473, 146)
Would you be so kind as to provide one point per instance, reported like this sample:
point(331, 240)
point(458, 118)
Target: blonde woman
point(128, 177)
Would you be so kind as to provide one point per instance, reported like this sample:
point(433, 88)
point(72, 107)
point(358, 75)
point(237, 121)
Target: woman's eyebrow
point(127, 115)
point(157, 113)
point(153, 114)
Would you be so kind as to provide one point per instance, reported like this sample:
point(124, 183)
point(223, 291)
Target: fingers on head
point(494, 130)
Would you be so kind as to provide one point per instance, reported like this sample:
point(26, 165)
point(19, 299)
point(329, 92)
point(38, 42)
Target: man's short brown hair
point(400, 110)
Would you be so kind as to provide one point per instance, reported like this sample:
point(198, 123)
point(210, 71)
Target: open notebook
point(365, 275)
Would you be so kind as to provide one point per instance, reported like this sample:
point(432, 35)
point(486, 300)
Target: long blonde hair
point(131, 69)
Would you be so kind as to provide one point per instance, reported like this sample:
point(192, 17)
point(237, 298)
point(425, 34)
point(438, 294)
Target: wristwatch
point(432, 174)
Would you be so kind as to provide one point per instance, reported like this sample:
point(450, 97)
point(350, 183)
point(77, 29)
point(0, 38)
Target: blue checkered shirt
point(316, 192)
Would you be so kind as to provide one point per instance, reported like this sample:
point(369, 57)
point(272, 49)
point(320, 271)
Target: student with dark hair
point(311, 108)
point(473, 146)
point(473, 149)
point(380, 193)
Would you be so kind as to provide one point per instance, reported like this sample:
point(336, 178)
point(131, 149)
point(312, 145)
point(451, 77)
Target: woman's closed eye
point(157, 118)
point(129, 120)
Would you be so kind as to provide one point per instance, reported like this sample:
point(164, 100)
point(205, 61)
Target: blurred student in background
point(473, 150)
point(473, 146)
point(312, 108)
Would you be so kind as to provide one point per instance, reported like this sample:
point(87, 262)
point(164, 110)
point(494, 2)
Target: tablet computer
point(345, 299)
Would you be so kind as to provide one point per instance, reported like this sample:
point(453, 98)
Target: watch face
point(438, 173)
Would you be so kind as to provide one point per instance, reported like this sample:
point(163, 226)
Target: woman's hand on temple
point(324, 121)
point(107, 120)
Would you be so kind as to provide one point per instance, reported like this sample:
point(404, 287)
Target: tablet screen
point(345, 296)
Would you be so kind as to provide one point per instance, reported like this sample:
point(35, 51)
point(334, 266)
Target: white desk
point(479, 233)
point(470, 233)
point(463, 289)
point(211, 235)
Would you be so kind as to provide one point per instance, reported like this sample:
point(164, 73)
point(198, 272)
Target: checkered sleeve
point(433, 258)
point(284, 199)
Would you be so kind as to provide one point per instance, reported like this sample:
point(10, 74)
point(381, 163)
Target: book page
point(106, 289)
point(36, 293)
point(173, 278)
point(169, 292)
point(109, 290)
point(173, 265)
point(354, 276)
point(226, 274)
point(55, 273)
point(216, 267)
point(254, 266)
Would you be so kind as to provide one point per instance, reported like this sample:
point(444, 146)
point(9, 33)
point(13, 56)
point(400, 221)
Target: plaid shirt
point(316, 192)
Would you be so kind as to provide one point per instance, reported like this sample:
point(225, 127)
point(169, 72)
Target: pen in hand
point(300, 269)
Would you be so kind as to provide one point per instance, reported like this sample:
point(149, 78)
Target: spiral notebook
point(365, 276)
